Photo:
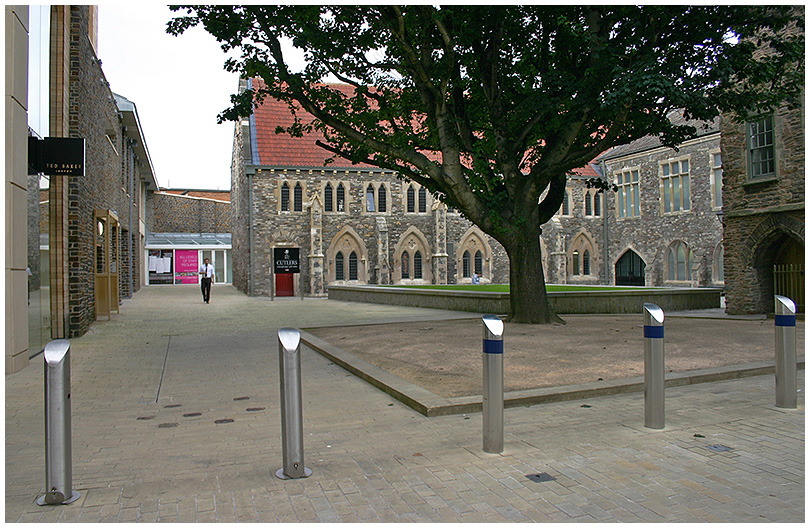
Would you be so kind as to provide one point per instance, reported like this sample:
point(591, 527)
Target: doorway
point(630, 269)
point(284, 285)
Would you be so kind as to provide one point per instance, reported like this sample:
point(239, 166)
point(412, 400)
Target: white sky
point(178, 85)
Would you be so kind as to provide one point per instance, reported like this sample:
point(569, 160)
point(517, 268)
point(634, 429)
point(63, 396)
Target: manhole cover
point(540, 477)
point(718, 448)
point(254, 409)
point(189, 415)
point(224, 421)
point(166, 425)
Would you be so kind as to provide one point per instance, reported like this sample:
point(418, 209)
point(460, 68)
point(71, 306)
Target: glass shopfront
point(175, 258)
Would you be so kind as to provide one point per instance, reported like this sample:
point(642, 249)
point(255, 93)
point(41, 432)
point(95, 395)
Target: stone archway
point(345, 244)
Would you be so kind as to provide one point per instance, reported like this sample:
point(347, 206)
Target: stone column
point(439, 259)
point(383, 268)
point(316, 258)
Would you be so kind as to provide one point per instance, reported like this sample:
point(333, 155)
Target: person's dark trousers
point(206, 288)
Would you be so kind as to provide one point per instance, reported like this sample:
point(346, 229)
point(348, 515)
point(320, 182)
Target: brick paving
point(175, 419)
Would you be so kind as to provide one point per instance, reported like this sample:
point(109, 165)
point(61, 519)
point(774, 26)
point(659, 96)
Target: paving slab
point(176, 418)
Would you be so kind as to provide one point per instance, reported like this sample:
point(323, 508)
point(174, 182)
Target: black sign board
point(56, 156)
point(285, 260)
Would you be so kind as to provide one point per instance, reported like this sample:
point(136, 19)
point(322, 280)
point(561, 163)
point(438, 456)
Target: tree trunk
point(528, 302)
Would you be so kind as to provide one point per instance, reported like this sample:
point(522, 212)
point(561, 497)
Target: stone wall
point(761, 216)
point(173, 213)
point(94, 116)
point(652, 233)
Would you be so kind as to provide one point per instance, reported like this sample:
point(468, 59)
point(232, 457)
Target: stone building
point(764, 186)
point(350, 224)
point(82, 235)
point(662, 226)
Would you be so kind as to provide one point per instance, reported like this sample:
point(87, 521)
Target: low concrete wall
point(578, 302)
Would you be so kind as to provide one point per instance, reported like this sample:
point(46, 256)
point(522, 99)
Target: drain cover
point(189, 415)
point(166, 425)
point(254, 409)
point(172, 406)
point(241, 398)
point(541, 477)
point(718, 448)
point(224, 421)
point(145, 417)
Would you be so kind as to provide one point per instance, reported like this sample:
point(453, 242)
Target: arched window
point(339, 271)
point(566, 209)
point(479, 263)
point(465, 265)
point(381, 198)
point(353, 266)
point(327, 198)
point(718, 271)
point(597, 204)
point(575, 263)
point(370, 199)
point(406, 266)
point(298, 198)
point(679, 262)
point(417, 265)
point(586, 262)
point(285, 197)
point(422, 200)
point(581, 259)
point(341, 198)
point(411, 199)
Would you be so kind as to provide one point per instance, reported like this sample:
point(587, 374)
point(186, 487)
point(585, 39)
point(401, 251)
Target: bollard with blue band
point(654, 416)
point(58, 451)
point(292, 425)
point(785, 323)
point(493, 384)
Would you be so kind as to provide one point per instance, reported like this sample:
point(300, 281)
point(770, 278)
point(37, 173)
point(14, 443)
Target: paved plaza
point(176, 419)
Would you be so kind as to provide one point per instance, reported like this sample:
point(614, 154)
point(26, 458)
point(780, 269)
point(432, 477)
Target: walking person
point(206, 277)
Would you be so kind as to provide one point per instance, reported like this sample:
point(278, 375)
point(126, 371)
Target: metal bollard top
point(493, 327)
point(653, 315)
point(784, 306)
point(56, 350)
point(289, 338)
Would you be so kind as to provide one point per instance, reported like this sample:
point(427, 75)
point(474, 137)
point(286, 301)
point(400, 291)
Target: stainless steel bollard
point(292, 426)
point(653, 366)
point(493, 384)
point(58, 456)
point(785, 322)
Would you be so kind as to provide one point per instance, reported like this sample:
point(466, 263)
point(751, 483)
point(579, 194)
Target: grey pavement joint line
point(163, 369)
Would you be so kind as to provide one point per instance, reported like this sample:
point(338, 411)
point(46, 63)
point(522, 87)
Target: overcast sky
point(178, 85)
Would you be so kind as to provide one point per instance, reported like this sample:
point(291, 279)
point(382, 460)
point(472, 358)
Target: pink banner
point(186, 266)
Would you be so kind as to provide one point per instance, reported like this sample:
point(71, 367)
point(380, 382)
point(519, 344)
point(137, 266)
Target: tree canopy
point(489, 107)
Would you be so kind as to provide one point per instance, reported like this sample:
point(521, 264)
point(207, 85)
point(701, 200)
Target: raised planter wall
point(578, 302)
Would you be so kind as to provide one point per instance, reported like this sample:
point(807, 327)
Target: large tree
point(489, 107)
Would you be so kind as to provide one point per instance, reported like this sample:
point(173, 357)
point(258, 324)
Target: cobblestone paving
point(175, 419)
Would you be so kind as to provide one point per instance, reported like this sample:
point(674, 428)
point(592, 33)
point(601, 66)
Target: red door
point(284, 284)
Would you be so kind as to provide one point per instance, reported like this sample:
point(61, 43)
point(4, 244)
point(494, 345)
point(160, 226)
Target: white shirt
point(207, 270)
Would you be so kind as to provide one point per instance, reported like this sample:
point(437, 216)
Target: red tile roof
point(282, 150)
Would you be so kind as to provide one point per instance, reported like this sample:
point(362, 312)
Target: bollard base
point(53, 499)
point(283, 476)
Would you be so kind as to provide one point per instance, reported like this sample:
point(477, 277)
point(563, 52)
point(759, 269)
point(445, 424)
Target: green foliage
point(490, 106)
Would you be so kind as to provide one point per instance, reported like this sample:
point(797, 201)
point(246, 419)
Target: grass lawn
point(504, 288)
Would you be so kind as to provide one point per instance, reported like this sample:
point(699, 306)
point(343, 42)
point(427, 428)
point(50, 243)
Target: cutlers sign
point(285, 260)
